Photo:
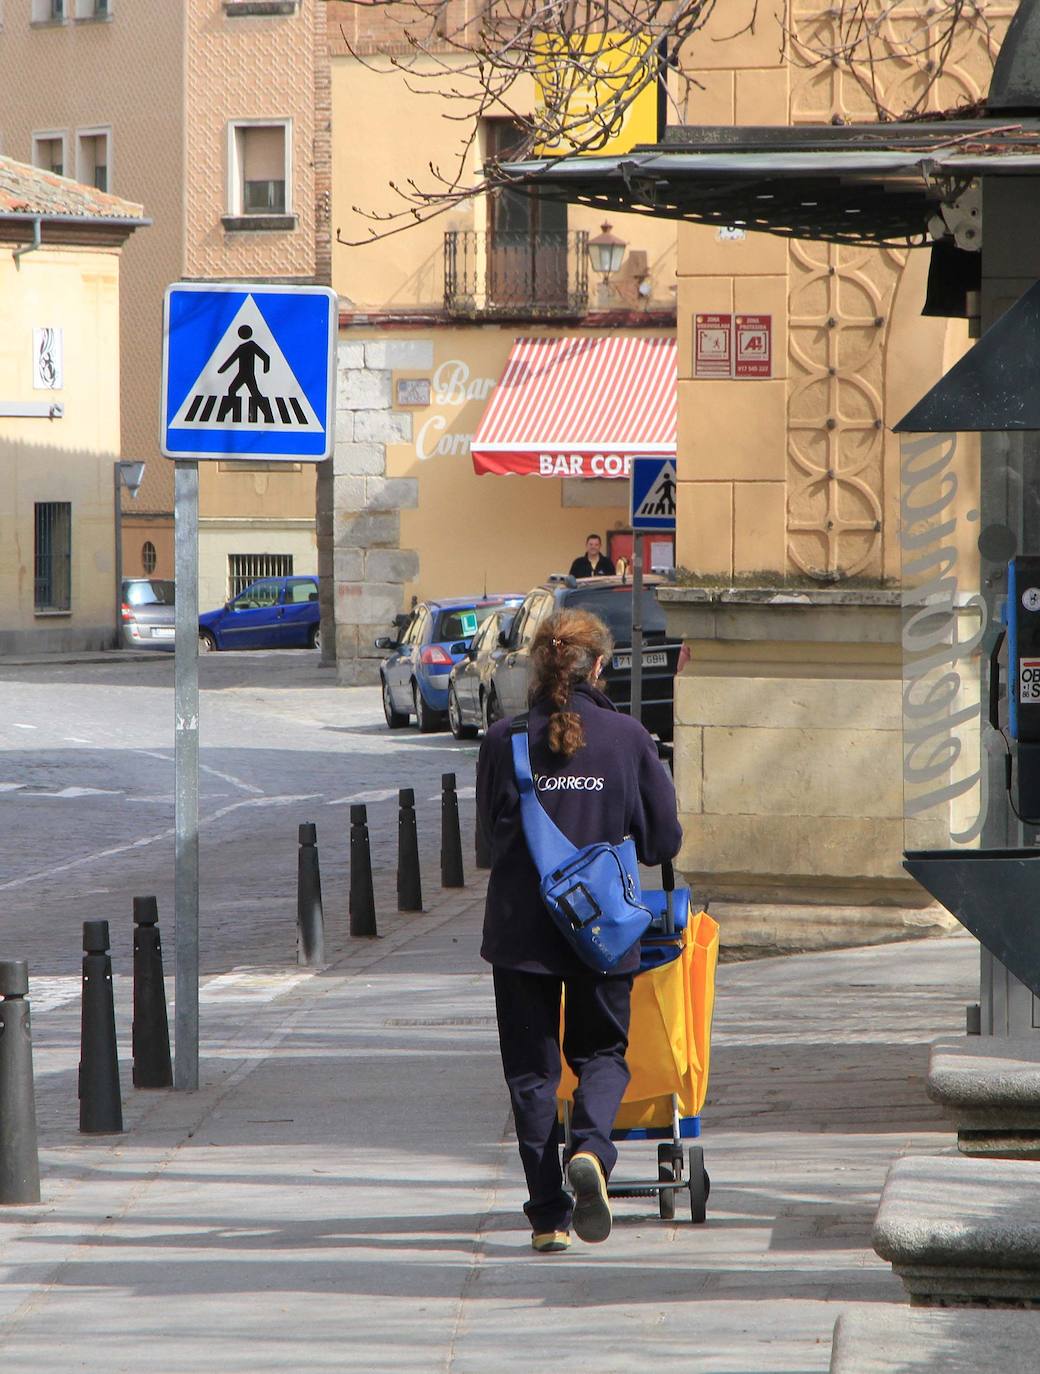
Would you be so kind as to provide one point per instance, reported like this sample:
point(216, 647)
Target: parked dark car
point(469, 679)
point(611, 599)
point(428, 644)
point(274, 613)
point(147, 613)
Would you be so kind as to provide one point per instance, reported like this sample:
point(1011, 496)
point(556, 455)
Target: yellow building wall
point(384, 130)
point(69, 459)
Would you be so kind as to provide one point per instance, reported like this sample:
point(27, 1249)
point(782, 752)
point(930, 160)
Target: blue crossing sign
point(654, 489)
point(249, 372)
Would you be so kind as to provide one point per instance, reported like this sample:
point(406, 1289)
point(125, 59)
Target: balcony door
point(527, 235)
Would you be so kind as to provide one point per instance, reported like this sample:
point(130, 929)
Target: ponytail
point(564, 654)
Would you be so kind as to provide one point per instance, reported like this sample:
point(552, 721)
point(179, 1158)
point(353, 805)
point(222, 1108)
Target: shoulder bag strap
point(548, 845)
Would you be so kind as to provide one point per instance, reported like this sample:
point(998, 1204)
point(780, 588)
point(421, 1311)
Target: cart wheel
point(669, 1170)
point(699, 1185)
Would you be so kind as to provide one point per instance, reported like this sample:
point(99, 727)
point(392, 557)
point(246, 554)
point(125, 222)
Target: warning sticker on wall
point(733, 346)
point(1029, 681)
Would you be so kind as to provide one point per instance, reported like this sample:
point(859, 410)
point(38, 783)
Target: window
point(148, 559)
point(258, 596)
point(306, 589)
point(49, 11)
point(52, 556)
point(527, 236)
point(244, 568)
point(93, 9)
point(259, 166)
point(48, 152)
point(93, 149)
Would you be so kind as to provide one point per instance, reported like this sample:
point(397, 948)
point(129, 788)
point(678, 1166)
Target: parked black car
point(611, 599)
point(470, 678)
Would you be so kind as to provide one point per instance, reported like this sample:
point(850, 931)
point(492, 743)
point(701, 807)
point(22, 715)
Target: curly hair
point(564, 653)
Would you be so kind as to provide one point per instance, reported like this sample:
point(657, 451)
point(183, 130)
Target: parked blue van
point(274, 613)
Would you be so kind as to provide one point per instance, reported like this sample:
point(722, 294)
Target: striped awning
point(579, 407)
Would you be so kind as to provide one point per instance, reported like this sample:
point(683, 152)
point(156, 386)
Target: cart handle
point(668, 876)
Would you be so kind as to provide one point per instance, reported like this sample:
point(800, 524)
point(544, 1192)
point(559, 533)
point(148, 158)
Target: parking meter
point(1022, 617)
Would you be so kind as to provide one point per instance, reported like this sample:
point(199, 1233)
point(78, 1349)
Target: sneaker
point(591, 1218)
point(550, 1242)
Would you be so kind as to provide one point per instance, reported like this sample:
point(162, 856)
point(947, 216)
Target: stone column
point(369, 566)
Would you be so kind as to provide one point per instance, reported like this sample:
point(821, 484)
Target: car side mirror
point(503, 639)
point(460, 646)
point(385, 642)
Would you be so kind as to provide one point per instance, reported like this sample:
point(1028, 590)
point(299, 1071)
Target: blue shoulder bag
point(591, 893)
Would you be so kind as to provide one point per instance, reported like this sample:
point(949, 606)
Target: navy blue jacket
point(614, 786)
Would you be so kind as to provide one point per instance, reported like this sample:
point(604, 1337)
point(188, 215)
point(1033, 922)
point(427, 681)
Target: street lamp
point(605, 253)
point(127, 475)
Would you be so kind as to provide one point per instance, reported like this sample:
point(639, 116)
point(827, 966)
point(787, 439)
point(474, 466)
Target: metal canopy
point(993, 387)
point(875, 184)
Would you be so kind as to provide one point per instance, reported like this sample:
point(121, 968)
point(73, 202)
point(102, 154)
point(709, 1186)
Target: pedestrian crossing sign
point(654, 488)
point(249, 372)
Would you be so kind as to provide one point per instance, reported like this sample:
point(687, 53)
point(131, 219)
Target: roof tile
point(26, 190)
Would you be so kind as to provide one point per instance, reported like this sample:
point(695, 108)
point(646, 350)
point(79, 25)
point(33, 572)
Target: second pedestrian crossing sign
point(249, 372)
point(654, 486)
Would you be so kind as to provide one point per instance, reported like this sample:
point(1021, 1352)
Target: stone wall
point(370, 568)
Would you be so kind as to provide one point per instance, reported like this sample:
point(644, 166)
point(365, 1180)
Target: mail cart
point(673, 997)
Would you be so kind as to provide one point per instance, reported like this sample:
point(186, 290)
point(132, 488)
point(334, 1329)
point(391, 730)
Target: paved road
point(86, 800)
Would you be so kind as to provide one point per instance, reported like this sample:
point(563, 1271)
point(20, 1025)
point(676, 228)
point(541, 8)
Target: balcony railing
point(516, 275)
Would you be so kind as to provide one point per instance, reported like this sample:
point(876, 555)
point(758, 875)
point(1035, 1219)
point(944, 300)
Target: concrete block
point(796, 702)
point(344, 426)
point(961, 1230)
point(358, 460)
point(348, 565)
point(989, 1087)
point(689, 768)
point(408, 354)
point(824, 773)
point(391, 493)
point(367, 529)
point(747, 422)
point(350, 353)
point(382, 427)
point(704, 541)
point(348, 493)
point(900, 1340)
point(792, 858)
point(360, 388)
point(367, 603)
point(393, 565)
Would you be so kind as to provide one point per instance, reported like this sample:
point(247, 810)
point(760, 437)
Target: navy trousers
point(595, 1039)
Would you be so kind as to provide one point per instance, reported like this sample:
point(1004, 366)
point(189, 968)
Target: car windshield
point(150, 593)
point(462, 622)
point(613, 605)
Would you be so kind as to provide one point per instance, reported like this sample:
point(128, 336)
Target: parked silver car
point(147, 613)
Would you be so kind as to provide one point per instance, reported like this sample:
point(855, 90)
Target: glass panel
point(304, 590)
point(613, 605)
point(151, 593)
point(946, 635)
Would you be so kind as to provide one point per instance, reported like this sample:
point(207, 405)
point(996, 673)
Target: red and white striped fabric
point(579, 407)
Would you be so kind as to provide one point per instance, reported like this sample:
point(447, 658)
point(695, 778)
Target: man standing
point(592, 563)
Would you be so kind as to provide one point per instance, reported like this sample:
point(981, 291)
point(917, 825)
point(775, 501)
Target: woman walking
point(598, 777)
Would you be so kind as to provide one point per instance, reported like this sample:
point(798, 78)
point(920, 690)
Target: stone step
point(990, 1090)
point(900, 1340)
point(960, 1230)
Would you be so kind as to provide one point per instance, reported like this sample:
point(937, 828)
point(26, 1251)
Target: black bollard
point(150, 1037)
point(19, 1159)
point(310, 918)
point(409, 878)
point(483, 846)
point(100, 1104)
point(451, 839)
point(362, 898)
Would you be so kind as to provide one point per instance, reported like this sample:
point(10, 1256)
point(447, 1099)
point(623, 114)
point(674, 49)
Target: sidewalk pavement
point(343, 1193)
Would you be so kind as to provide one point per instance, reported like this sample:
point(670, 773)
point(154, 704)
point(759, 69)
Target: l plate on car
point(653, 658)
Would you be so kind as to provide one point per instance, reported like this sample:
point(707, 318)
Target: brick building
point(215, 114)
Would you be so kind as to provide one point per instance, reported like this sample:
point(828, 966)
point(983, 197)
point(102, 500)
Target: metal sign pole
point(637, 627)
point(186, 768)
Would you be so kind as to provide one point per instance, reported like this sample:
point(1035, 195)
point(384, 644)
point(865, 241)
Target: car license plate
point(163, 632)
point(654, 658)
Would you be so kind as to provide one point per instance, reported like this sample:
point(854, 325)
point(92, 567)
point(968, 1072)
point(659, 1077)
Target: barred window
point(52, 582)
point(244, 568)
